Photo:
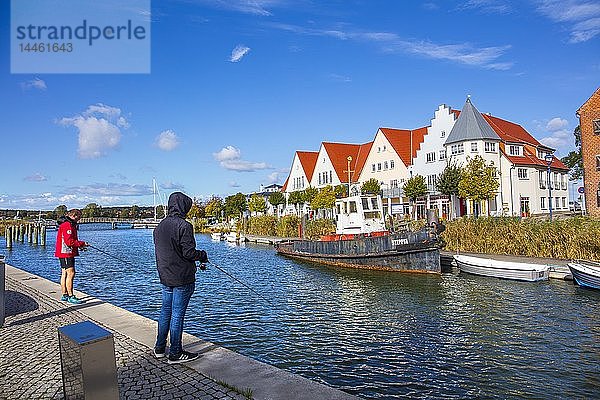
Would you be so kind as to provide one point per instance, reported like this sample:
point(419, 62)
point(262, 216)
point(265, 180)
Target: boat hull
point(585, 275)
point(411, 252)
point(501, 269)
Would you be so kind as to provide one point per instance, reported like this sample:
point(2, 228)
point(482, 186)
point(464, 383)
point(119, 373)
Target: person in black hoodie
point(176, 256)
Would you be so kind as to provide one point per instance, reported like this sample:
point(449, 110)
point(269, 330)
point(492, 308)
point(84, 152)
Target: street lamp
point(349, 172)
point(549, 157)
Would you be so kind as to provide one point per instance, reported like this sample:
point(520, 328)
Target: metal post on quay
point(549, 157)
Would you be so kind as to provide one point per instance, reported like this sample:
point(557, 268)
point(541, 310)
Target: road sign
point(580, 189)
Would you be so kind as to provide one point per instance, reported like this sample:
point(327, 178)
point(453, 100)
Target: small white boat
point(586, 274)
point(217, 236)
point(234, 237)
point(502, 269)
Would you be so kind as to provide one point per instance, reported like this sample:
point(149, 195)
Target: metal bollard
point(87, 357)
point(2, 275)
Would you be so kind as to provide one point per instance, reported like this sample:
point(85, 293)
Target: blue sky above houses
point(237, 87)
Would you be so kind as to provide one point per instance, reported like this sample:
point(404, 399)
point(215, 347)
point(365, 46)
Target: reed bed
point(573, 238)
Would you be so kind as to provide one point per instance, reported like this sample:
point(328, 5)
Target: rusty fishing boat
point(362, 241)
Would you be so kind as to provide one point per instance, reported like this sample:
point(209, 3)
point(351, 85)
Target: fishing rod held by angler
point(110, 255)
point(240, 282)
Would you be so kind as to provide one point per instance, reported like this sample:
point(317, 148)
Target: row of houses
point(532, 180)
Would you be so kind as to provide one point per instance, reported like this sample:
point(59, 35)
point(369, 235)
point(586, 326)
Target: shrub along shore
point(570, 238)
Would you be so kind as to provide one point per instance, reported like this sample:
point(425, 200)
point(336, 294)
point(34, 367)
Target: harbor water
point(378, 335)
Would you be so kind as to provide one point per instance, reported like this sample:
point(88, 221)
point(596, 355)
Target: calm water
point(374, 334)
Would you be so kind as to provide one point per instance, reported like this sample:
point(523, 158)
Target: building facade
point(589, 123)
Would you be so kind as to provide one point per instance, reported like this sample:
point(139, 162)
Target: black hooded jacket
point(175, 246)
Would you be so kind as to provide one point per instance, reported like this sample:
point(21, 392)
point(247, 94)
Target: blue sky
point(236, 87)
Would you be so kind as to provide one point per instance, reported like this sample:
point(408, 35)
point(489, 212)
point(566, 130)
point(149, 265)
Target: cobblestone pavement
point(30, 358)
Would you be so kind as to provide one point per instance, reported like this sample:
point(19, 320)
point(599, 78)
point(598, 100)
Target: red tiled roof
point(510, 132)
point(361, 159)
point(284, 187)
point(308, 160)
point(338, 155)
point(401, 140)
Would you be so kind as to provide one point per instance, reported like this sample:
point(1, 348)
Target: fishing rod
point(213, 264)
point(240, 282)
point(110, 255)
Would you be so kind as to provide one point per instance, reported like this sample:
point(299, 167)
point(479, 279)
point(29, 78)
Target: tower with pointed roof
point(589, 123)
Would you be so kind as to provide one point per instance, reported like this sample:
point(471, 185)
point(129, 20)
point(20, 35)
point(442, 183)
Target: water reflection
point(372, 333)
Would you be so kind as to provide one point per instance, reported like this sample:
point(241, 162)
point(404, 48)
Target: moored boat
point(217, 236)
point(586, 274)
point(502, 269)
point(361, 241)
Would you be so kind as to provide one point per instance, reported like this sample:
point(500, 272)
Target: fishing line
point(240, 282)
point(110, 255)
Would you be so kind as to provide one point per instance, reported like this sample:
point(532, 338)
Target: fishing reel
point(201, 266)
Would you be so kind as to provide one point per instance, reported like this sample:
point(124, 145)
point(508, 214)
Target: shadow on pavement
point(54, 313)
point(18, 303)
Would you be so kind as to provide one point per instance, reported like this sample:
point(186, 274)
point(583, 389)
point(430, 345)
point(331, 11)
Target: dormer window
point(514, 150)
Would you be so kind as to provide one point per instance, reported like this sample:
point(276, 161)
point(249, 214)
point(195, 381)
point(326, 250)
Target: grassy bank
point(573, 238)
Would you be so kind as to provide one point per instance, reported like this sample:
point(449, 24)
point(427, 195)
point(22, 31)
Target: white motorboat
point(502, 269)
point(586, 274)
point(217, 236)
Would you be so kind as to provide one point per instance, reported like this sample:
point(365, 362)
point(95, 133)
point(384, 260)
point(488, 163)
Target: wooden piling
point(35, 235)
point(29, 233)
point(8, 236)
point(43, 235)
point(21, 233)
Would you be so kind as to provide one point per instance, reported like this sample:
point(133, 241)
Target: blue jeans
point(174, 303)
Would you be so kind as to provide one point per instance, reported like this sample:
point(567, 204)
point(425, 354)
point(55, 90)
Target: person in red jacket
point(67, 248)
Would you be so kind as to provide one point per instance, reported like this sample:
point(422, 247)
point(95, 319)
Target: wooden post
point(43, 236)
point(29, 233)
point(35, 235)
point(21, 233)
point(8, 236)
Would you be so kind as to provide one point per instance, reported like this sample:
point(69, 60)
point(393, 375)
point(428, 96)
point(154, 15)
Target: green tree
point(197, 210)
point(60, 210)
point(296, 198)
point(448, 180)
point(91, 210)
point(341, 191)
point(478, 182)
point(276, 198)
point(414, 188)
point(133, 212)
point(324, 200)
point(214, 207)
point(235, 205)
point(371, 186)
point(257, 204)
point(573, 160)
point(310, 193)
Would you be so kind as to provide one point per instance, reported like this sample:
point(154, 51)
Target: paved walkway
point(30, 359)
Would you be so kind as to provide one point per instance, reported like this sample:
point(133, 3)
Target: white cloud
point(234, 184)
point(487, 6)
point(560, 137)
point(230, 158)
point(167, 140)
point(582, 17)
point(255, 7)
point(556, 124)
point(274, 177)
point(99, 129)
point(238, 53)
point(172, 186)
point(463, 53)
point(36, 177)
point(35, 83)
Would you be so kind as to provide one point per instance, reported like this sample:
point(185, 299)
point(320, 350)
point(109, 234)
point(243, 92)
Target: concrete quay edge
point(266, 381)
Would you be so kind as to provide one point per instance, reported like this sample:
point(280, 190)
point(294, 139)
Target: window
point(443, 134)
point(374, 204)
point(431, 157)
point(431, 181)
point(474, 147)
point(542, 179)
point(564, 202)
point(379, 149)
point(365, 203)
point(522, 173)
point(391, 164)
point(378, 166)
point(490, 147)
point(319, 178)
point(598, 162)
point(457, 149)
point(373, 167)
point(394, 183)
point(543, 203)
point(514, 150)
point(385, 165)
point(352, 205)
point(597, 127)
point(384, 148)
point(442, 155)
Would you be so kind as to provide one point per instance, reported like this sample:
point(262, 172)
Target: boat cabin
point(359, 214)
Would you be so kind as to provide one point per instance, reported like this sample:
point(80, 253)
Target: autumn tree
point(324, 200)
point(448, 180)
point(214, 207)
point(257, 204)
point(296, 198)
point(371, 186)
point(414, 188)
point(478, 182)
point(341, 191)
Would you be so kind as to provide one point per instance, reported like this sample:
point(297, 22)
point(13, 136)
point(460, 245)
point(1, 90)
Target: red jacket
point(67, 244)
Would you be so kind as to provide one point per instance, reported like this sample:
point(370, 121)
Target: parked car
point(574, 206)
